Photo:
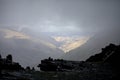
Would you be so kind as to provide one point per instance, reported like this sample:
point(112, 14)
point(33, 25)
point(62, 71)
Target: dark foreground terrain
point(102, 66)
point(94, 72)
point(99, 72)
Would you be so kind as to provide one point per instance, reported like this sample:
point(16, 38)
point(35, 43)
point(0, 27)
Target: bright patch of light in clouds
point(70, 43)
point(14, 34)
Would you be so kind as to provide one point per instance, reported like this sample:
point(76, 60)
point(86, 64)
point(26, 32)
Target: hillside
point(101, 66)
point(93, 45)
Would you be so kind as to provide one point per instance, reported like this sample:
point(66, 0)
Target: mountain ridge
point(93, 45)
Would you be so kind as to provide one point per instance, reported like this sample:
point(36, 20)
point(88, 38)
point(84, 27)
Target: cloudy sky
point(84, 16)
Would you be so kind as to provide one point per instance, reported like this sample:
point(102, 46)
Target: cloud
point(14, 34)
point(70, 43)
point(86, 16)
point(55, 25)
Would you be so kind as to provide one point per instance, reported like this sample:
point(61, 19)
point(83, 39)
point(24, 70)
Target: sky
point(64, 16)
point(67, 24)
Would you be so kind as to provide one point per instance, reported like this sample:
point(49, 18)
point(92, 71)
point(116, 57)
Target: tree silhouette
point(33, 69)
point(0, 56)
point(28, 68)
point(0, 64)
point(9, 58)
point(48, 65)
point(54, 65)
point(50, 59)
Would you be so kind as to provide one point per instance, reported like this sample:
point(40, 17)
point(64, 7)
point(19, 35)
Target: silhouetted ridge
point(55, 65)
point(101, 66)
point(110, 53)
point(10, 70)
point(8, 64)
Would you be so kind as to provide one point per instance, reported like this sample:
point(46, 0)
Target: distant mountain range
point(29, 47)
point(93, 45)
point(26, 49)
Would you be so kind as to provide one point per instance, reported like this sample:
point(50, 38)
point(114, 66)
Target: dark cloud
point(58, 15)
point(97, 19)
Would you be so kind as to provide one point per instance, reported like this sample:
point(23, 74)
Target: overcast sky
point(85, 16)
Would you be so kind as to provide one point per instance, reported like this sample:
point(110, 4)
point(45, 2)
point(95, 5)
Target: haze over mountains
point(68, 29)
point(26, 49)
point(32, 48)
point(94, 44)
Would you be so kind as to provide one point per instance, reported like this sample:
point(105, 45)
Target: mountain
point(68, 43)
point(64, 41)
point(93, 45)
point(34, 46)
point(108, 54)
point(26, 49)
